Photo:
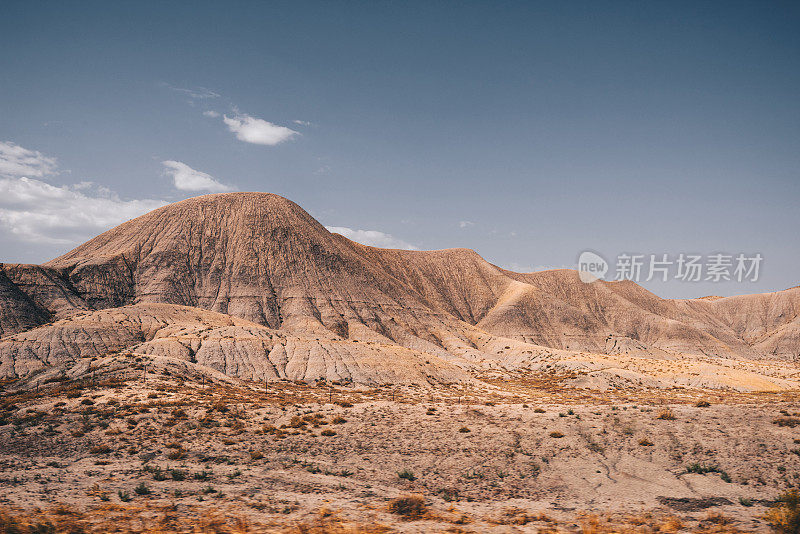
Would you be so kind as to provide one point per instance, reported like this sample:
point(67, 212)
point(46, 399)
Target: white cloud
point(372, 238)
point(301, 123)
point(18, 161)
point(465, 224)
point(257, 131)
point(186, 178)
point(211, 113)
point(38, 212)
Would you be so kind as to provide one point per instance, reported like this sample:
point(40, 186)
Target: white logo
point(591, 267)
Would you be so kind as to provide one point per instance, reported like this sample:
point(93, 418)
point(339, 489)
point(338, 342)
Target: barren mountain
point(293, 292)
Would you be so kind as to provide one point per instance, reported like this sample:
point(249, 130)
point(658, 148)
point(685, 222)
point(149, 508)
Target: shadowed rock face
point(18, 312)
point(260, 257)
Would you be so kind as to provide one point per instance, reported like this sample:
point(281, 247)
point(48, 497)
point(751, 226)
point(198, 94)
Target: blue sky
point(526, 131)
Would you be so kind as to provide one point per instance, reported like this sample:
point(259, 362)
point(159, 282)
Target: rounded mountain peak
point(242, 219)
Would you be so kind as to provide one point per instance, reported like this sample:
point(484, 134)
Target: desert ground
point(141, 444)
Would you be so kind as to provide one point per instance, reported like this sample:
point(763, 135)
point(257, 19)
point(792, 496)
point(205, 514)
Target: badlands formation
point(252, 286)
point(226, 364)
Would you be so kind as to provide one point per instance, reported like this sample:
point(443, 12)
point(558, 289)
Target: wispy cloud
point(18, 161)
point(324, 169)
point(42, 213)
point(372, 238)
point(465, 224)
point(257, 131)
point(186, 178)
point(200, 93)
point(211, 113)
point(524, 268)
point(301, 123)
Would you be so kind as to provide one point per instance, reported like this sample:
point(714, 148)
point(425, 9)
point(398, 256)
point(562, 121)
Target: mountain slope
point(261, 258)
point(233, 346)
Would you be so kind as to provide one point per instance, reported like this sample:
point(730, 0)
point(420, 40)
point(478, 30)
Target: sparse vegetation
point(177, 454)
point(522, 442)
point(791, 422)
point(409, 507)
point(666, 415)
point(784, 517)
point(405, 474)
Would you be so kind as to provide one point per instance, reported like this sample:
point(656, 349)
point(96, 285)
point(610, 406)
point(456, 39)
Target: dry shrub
point(630, 524)
point(297, 422)
point(409, 507)
point(784, 517)
point(791, 422)
point(716, 518)
point(334, 525)
point(177, 454)
point(60, 519)
point(517, 516)
point(556, 434)
point(218, 522)
point(644, 442)
point(220, 407)
point(666, 415)
point(671, 524)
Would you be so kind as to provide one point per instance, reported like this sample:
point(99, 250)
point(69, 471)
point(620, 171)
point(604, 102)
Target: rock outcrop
point(233, 346)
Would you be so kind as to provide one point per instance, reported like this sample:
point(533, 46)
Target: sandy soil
point(528, 456)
